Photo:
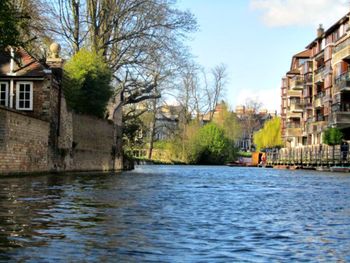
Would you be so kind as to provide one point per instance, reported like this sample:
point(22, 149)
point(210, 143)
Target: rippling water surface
point(177, 214)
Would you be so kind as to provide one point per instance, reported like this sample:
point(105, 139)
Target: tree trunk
point(76, 29)
point(152, 129)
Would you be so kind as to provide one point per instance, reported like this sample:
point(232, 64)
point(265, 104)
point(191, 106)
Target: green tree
point(227, 120)
point(185, 146)
point(87, 85)
point(9, 21)
point(332, 137)
point(270, 135)
point(216, 148)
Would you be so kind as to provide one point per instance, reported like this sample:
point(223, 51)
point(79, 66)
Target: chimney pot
point(320, 31)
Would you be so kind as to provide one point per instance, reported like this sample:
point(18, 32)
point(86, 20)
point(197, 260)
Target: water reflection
point(177, 214)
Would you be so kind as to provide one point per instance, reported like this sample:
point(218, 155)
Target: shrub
point(332, 136)
point(87, 83)
point(215, 148)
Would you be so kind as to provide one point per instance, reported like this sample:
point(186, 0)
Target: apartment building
point(315, 92)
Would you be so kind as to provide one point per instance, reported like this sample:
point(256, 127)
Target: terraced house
point(316, 90)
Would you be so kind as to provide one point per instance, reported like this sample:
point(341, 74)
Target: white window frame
point(6, 93)
point(18, 83)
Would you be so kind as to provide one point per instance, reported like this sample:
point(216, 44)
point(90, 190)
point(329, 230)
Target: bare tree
point(127, 33)
point(250, 120)
point(215, 91)
point(32, 30)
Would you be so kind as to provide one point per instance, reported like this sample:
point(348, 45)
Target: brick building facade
point(316, 90)
point(38, 133)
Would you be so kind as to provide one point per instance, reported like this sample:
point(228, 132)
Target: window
point(24, 95)
point(323, 43)
point(4, 91)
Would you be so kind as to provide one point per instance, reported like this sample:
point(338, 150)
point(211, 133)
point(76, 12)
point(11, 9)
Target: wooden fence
point(313, 155)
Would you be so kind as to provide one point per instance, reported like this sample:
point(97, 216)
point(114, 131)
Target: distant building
point(315, 92)
point(251, 120)
point(167, 121)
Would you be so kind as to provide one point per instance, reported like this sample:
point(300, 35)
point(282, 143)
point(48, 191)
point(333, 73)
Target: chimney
point(320, 31)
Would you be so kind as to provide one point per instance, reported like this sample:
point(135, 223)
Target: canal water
point(177, 214)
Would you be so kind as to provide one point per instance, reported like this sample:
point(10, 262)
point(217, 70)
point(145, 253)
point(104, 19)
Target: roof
point(293, 72)
point(25, 65)
point(303, 54)
point(330, 29)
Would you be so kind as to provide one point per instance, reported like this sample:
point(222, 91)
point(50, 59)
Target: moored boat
point(322, 168)
point(340, 169)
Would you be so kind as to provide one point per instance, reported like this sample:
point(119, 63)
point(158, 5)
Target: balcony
point(341, 51)
point(341, 119)
point(294, 115)
point(342, 83)
point(327, 98)
point(297, 83)
point(319, 118)
point(307, 102)
point(319, 74)
point(318, 102)
point(294, 93)
point(296, 106)
point(293, 132)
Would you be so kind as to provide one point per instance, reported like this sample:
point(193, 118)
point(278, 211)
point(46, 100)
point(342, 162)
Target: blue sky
point(256, 39)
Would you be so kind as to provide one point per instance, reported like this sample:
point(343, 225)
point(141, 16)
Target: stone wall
point(85, 143)
point(23, 143)
point(93, 142)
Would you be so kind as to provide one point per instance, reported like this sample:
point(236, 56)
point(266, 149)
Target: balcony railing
point(297, 83)
point(294, 115)
point(343, 81)
point(296, 106)
point(294, 93)
point(319, 74)
point(320, 69)
point(319, 118)
point(293, 125)
point(341, 52)
point(326, 98)
point(293, 132)
point(307, 102)
point(341, 119)
point(341, 46)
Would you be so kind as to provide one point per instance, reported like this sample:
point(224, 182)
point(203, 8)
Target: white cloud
point(277, 13)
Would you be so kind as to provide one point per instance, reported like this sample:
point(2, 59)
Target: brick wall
point(85, 143)
point(23, 143)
